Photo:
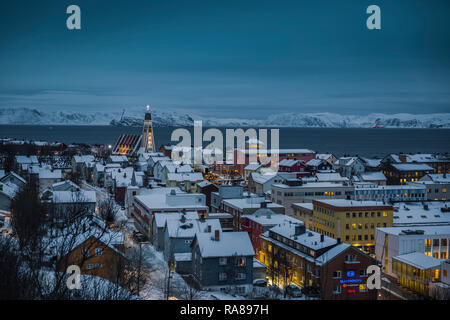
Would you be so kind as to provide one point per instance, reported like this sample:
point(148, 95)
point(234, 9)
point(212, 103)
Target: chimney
point(402, 158)
point(216, 235)
point(338, 240)
point(322, 238)
point(172, 192)
point(209, 228)
point(263, 204)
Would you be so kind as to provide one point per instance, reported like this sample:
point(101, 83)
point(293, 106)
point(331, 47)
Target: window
point(363, 273)
point(240, 262)
point(337, 289)
point(222, 261)
point(347, 226)
point(98, 251)
point(350, 257)
point(85, 252)
point(337, 274)
point(98, 265)
point(241, 276)
point(222, 276)
point(89, 266)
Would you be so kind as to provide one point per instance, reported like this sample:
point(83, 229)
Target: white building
point(396, 241)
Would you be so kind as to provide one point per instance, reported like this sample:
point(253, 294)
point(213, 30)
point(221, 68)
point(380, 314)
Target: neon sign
point(350, 274)
point(350, 281)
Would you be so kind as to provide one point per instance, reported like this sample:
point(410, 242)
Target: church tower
point(148, 141)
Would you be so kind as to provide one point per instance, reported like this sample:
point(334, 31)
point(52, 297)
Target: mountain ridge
point(31, 116)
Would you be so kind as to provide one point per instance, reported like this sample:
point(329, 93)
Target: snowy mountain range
point(28, 116)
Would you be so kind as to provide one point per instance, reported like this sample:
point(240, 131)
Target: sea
point(366, 142)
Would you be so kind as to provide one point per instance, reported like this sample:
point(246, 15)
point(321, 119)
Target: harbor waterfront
point(367, 142)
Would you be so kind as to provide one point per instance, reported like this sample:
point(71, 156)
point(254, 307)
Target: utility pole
point(168, 279)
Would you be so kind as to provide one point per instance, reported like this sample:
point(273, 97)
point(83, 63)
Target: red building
point(255, 154)
point(291, 165)
point(259, 222)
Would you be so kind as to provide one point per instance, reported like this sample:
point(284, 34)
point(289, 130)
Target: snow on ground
point(156, 284)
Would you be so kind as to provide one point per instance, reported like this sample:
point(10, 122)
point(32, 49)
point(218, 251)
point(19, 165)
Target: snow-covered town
point(138, 225)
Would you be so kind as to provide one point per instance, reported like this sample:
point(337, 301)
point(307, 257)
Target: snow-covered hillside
point(174, 118)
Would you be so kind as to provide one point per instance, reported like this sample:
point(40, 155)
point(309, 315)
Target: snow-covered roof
point(314, 162)
point(68, 182)
point(280, 151)
point(268, 218)
point(177, 228)
point(204, 183)
point(310, 185)
point(323, 156)
point(247, 203)
point(442, 231)
point(189, 176)
point(252, 166)
point(118, 158)
point(419, 260)
point(27, 159)
point(411, 167)
point(344, 203)
point(438, 178)
point(229, 244)
point(373, 163)
point(288, 162)
point(160, 198)
point(262, 178)
point(184, 256)
point(333, 176)
point(160, 218)
point(305, 205)
point(373, 176)
point(50, 174)
point(332, 253)
point(84, 158)
point(81, 196)
point(414, 214)
point(9, 189)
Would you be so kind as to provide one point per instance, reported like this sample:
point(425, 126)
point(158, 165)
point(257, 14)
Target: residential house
point(223, 261)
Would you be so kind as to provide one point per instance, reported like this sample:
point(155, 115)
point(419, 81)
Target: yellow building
point(416, 271)
point(352, 221)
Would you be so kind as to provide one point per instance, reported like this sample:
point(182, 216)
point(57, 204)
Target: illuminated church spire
point(148, 141)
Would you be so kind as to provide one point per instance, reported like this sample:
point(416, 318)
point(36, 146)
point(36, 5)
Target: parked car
point(293, 291)
point(260, 283)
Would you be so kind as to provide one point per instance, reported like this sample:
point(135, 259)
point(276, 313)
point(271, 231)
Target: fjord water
point(353, 141)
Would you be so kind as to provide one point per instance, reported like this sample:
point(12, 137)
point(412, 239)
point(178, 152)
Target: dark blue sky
point(227, 58)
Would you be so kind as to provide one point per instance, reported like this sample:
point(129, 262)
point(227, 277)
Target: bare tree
point(27, 216)
point(108, 210)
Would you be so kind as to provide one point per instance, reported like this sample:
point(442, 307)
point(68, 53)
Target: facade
point(296, 255)
point(392, 193)
point(207, 188)
point(223, 261)
point(433, 241)
point(186, 181)
point(164, 200)
point(292, 192)
point(254, 155)
point(403, 173)
point(416, 271)
point(353, 222)
point(260, 184)
point(349, 166)
point(261, 221)
point(438, 186)
point(240, 207)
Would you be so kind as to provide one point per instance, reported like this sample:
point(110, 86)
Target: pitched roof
point(229, 244)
